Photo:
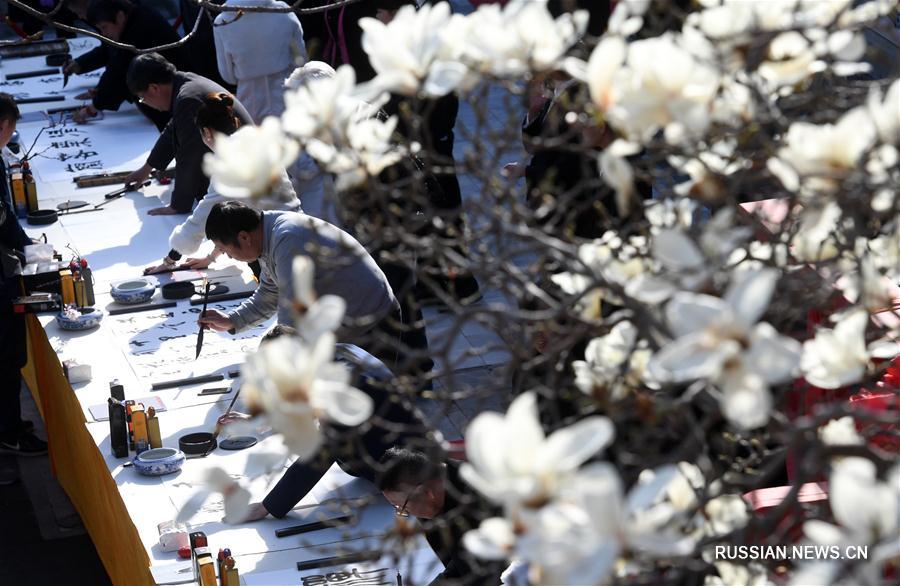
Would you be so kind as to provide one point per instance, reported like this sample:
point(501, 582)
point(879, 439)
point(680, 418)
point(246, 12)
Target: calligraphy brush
point(202, 327)
point(227, 411)
point(66, 73)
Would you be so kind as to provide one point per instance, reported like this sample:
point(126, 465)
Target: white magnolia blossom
point(721, 341)
point(840, 432)
point(335, 121)
point(862, 282)
point(616, 172)
point(652, 84)
point(432, 51)
point(512, 462)
point(294, 381)
point(885, 250)
point(839, 357)
point(627, 17)
point(821, 155)
point(772, 16)
point(522, 36)
point(406, 52)
point(818, 237)
point(295, 385)
point(721, 513)
point(608, 259)
point(867, 512)
point(613, 364)
point(670, 213)
point(683, 265)
point(235, 498)
point(578, 538)
point(790, 60)
point(250, 162)
point(886, 113)
point(706, 171)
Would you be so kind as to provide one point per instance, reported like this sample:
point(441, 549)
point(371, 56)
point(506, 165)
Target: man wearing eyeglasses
point(158, 84)
point(432, 491)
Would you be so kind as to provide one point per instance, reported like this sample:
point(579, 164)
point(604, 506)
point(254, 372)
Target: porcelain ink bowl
point(133, 291)
point(159, 461)
point(78, 319)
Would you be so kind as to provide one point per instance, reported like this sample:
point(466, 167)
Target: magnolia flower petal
point(747, 404)
point(237, 505)
point(689, 358)
point(599, 491)
point(523, 424)
point(772, 356)
point(323, 316)
point(483, 436)
point(645, 494)
point(857, 500)
point(884, 349)
point(493, 540)
point(570, 447)
point(300, 434)
point(688, 313)
point(303, 272)
point(750, 293)
point(343, 404)
point(617, 173)
point(676, 251)
point(841, 432)
point(192, 506)
point(481, 482)
point(838, 357)
point(444, 77)
point(650, 289)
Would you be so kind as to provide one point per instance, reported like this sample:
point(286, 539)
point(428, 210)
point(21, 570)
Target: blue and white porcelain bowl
point(133, 291)
point(79, 319)
point(159, 461)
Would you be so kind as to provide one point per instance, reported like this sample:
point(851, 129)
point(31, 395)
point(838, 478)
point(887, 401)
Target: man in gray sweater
point(342, 268)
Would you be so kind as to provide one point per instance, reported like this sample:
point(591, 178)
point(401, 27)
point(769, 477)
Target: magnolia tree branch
point(205, 6)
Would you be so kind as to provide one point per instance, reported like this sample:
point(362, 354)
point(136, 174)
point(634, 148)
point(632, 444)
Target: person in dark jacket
point(158, 84)
point(356, 450)
point(432, 491)
point(132, 24)
point(436, 119)
point(15, 436)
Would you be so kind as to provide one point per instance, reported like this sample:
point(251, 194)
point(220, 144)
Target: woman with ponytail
point(215, 117)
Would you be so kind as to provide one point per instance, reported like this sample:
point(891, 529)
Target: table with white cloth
point(120, 508)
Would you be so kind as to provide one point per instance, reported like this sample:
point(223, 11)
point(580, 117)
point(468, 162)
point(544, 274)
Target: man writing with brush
point(342, 267)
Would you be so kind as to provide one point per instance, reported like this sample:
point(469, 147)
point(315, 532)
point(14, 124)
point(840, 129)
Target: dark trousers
point(13, 356)
point(401, 342)
point(461, 284)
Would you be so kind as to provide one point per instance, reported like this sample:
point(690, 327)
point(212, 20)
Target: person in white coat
point(215, 116)
point(257, 51)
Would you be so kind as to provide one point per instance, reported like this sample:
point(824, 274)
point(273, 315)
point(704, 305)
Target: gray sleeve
point(261, 305)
